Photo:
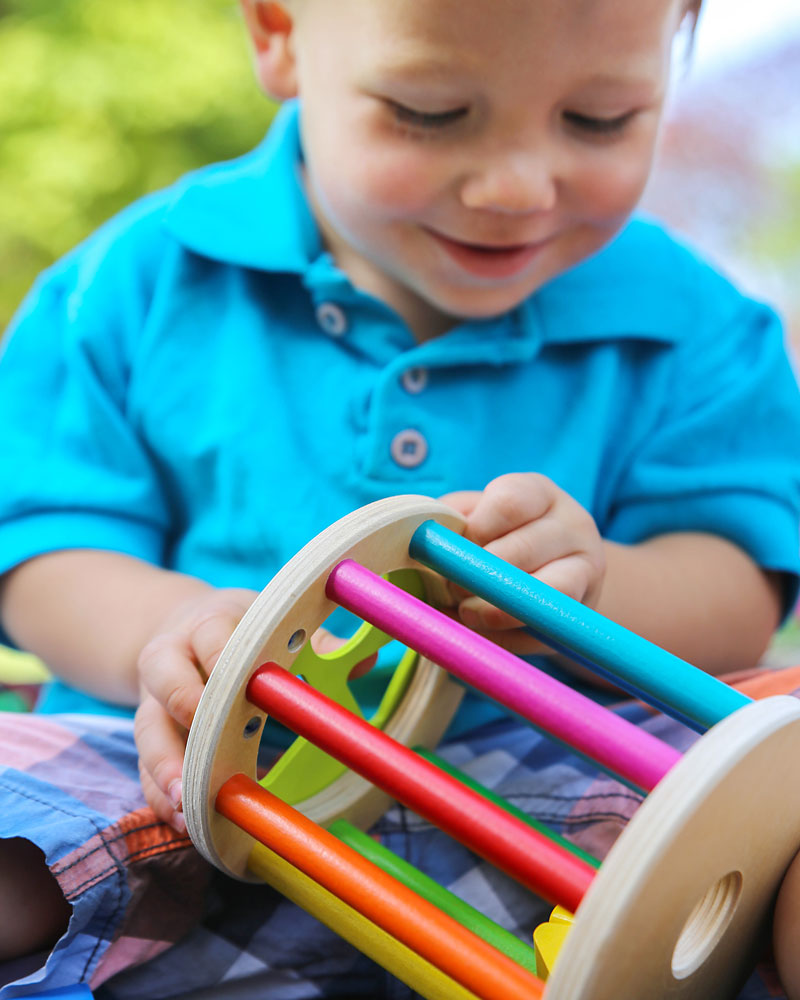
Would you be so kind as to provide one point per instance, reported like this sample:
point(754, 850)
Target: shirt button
point(414, 380)
point(409, 448)
point(332, 319)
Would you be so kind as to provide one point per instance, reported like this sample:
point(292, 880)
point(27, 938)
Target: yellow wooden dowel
point(348, 923)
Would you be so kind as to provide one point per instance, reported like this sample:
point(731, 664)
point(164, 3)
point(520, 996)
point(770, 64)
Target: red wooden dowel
point(494, 834)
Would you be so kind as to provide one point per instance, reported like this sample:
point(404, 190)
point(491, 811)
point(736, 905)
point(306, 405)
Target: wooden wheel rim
point(708, 849)
point(376, 536)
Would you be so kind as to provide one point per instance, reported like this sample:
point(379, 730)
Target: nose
point(514, 183)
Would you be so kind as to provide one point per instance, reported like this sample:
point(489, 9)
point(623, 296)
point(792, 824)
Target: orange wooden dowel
point(414, 921)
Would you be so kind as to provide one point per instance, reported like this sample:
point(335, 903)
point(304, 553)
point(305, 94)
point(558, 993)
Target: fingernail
point(175, 792)
point(178, 823)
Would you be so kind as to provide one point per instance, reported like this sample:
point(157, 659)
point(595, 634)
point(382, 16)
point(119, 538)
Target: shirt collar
point(253, 212)
point(636, 287)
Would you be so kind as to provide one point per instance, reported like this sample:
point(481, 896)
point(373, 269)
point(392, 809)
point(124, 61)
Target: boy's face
point(461, 153)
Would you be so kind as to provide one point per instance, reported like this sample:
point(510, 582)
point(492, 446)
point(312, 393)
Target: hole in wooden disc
point(707, 922)
point(252, 727)
point(296, 641)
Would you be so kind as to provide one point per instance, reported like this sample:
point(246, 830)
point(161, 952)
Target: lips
point(485, 260)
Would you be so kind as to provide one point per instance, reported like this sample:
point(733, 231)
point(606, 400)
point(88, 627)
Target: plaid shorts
point(152, 919)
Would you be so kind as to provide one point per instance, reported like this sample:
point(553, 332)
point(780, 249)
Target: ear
point(270, 28)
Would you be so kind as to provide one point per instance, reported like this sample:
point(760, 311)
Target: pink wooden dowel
point(617, 745)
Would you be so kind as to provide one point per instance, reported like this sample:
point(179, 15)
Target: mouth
point(487, 260)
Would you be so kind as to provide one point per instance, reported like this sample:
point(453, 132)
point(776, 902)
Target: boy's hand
point(530, 522)
point(173, 668)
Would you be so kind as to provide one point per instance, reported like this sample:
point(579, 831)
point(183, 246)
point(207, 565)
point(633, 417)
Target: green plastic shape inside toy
point(304, 770)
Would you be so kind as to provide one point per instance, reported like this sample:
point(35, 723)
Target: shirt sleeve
point(74, 473)
point(723, 454)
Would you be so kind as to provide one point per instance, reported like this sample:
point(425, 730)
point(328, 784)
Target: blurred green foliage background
point(103, 100)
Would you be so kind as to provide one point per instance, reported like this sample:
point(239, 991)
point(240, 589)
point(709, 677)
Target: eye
point(598, 126)
point(426, 119)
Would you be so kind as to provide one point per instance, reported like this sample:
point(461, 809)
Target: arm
point(697, 595)
point(129, 632)
point(88, 614)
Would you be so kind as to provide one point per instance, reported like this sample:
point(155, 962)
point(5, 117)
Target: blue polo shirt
point(200, 386)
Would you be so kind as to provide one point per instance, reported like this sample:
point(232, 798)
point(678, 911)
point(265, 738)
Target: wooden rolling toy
point(679, 906)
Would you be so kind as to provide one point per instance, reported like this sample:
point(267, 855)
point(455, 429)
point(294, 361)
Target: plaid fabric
point(151, 919)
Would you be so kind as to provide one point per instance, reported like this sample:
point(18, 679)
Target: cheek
point(394, 183)
point(611, 187)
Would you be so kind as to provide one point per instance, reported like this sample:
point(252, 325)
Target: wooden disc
point(680, 904)
point(223, 739)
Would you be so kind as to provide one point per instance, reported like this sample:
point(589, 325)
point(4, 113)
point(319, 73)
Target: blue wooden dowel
point(645, 670)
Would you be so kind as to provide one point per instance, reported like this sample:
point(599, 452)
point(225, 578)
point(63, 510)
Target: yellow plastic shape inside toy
point(548, 939)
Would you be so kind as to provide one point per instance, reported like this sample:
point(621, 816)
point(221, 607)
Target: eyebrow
point(609, 80)
point(423, 63)
point(430, 64)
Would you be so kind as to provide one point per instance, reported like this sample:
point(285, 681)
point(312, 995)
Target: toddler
point(425, 280)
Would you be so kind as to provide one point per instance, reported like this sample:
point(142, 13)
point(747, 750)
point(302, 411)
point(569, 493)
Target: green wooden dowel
point(501, 802)
point(434, 893)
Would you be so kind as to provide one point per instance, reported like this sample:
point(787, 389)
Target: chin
point(482, 305)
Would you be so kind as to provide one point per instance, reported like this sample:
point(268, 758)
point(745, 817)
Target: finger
point(168, 671)
point(516, 640)
point(210, 634)
point(509, 502)
point(481, 616)
point(161, 745)
point(160, 804)
point(537, 543)
point(573, 576)
point(528, 548)
point(464, 501)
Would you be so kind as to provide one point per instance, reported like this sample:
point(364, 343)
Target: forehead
point(507, 34)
